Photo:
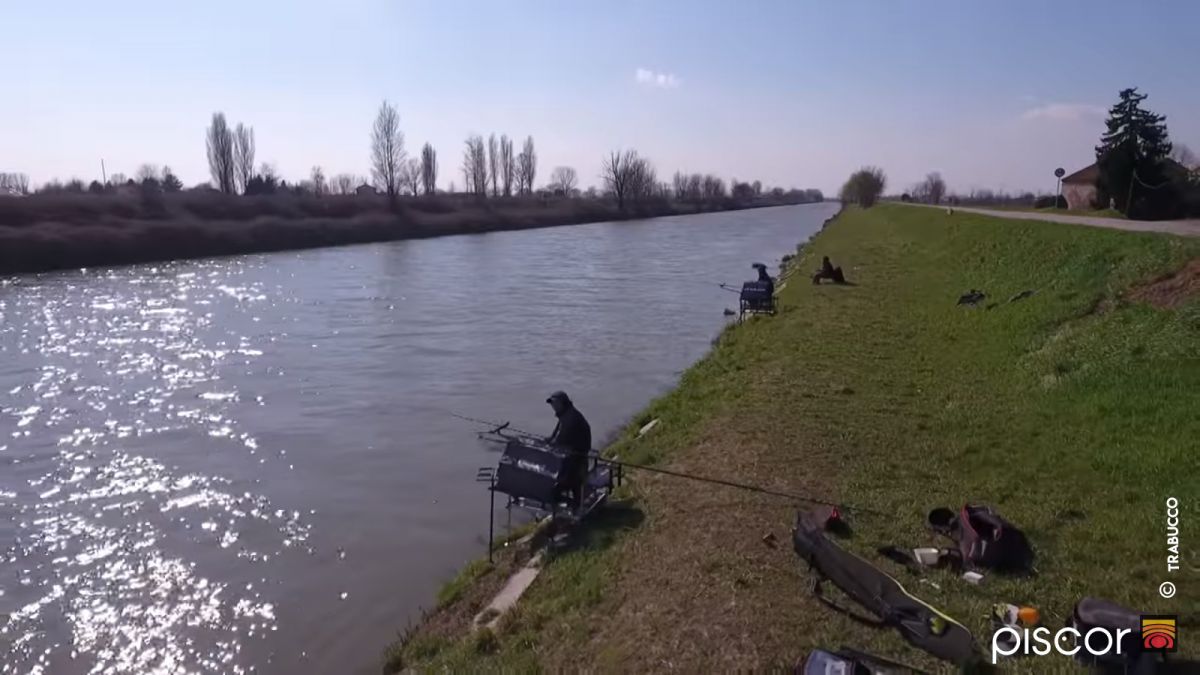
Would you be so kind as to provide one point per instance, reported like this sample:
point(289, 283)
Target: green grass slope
point(1075, 411)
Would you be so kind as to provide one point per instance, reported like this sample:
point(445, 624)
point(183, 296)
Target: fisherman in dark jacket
point(765, 278)
point(573, 434)
point(828, 271)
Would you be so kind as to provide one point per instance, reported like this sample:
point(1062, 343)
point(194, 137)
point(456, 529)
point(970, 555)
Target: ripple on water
point(102, 574)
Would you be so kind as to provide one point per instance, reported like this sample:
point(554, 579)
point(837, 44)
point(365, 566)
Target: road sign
point(1059, 173)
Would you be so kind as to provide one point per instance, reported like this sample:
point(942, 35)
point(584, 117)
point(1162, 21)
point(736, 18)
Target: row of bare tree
point(494, 169)
point(698, 187)
point(490, 168)
point(393, 172)
point(230, 155)
point(14, 184)
point(931, 190)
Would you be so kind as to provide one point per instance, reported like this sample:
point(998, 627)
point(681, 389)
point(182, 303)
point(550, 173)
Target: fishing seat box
point(757, 296)
point(530, 471)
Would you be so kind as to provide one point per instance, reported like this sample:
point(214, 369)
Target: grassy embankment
point(1073, 411)
point(63, 231)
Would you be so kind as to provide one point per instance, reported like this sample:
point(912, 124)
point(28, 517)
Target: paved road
point(1186, 228)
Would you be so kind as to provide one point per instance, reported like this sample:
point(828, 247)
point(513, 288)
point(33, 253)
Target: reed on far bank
point(65, 230)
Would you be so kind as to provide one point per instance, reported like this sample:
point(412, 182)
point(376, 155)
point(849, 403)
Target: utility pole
point(103, 173)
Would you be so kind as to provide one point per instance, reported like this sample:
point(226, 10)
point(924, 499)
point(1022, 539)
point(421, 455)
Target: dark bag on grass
point(985, 539)
point(1092, 613)
point(848, 661)
point(881, 595)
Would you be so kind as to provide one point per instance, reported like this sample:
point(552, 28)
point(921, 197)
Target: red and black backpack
point(985, 539)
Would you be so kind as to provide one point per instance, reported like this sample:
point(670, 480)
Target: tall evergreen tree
point(1131, 152)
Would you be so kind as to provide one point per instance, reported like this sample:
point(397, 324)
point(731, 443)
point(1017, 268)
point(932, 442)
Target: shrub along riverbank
point(1072, 410)
point(63, 231)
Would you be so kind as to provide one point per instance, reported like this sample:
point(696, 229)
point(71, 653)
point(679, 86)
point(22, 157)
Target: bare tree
point(643, 181)
point(563, 179)
point(615, 174)
point(243, 156)
point(629, 177)
point(679, 185)
point(526, 167)
point(508, 164)
point(864, 186)
point(343, 184)
point(14, 184)
point(411, 175)
point(405, 178)
point(387, 150)
point(712, 187)
point(317, 178)
point(493, 160)
point(475, 169)
point(147, 172)
point(219, 141)
point(429, 169)
point(933, 188)
point(170, 182)
point(117, 179)
point(479, 172)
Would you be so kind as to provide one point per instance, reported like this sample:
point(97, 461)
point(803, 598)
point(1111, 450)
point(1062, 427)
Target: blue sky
point(792, 93)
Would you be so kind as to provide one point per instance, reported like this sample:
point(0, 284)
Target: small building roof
point(1087, 174)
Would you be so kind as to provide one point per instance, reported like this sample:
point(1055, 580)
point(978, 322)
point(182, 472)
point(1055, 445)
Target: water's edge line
point(624, 431)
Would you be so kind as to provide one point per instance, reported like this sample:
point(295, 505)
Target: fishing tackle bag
point(1091, 613)
point(985, 539)
point(848, 661)
point(882, 596)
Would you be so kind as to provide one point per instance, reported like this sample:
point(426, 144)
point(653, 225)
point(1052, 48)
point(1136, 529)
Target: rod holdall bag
point(883, 598)
point(985, 539)
point(1091, 613)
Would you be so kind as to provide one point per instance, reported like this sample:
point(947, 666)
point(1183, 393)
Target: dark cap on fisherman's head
point(560, 396)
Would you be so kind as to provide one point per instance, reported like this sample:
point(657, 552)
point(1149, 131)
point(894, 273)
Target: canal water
point(247, 464)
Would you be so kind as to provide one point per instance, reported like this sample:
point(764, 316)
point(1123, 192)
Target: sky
point(795, 94)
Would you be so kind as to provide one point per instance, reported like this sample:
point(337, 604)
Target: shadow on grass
point(603, 528)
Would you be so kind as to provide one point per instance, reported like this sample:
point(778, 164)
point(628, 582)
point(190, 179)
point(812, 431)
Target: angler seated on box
point(765, 278)
point(572, 434)
point(828, 271)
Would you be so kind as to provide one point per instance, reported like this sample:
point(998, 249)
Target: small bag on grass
point(985, 539)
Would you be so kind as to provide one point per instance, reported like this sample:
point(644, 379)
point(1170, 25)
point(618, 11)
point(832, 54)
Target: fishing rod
point(727, 287)
point(504, 432)
point(732, 484)
point(504, 429)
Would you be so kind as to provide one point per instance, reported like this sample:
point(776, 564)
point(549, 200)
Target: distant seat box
point(757, 291)
point(530, 471)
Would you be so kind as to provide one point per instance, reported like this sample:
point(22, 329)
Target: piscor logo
point(1159, 634)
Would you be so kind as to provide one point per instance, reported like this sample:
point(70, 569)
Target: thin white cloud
point(649, 78)
point(1063, 112)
